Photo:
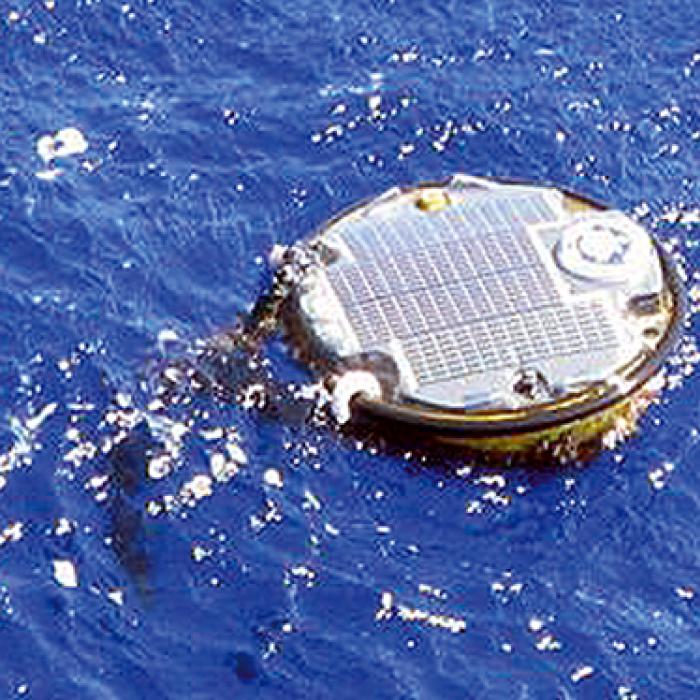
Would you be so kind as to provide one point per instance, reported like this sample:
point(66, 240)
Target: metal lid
point(487, 307)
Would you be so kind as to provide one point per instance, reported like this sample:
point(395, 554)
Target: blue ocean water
point(313, 567)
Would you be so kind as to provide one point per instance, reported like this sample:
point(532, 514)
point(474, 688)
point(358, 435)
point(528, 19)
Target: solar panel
point(479, 215)
point(464, 290)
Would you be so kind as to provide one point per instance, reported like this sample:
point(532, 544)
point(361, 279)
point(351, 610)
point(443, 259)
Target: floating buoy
point(502, 318)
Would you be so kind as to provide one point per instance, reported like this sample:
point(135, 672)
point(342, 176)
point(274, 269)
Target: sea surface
point(187, 546)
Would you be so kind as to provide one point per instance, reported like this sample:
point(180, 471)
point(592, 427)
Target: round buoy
point(504, 318)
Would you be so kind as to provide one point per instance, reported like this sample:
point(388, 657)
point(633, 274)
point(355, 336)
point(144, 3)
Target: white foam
point(581, 673)
point(64, 143)
point(11, 533)
point(65, 573)
point(63, 527)
point(273, 477)
point(116, 595)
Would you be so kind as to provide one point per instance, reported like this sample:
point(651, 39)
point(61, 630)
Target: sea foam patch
point(65, 143)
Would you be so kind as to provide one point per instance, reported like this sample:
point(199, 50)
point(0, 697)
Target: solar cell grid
point(427, 267)
point(488, 346)
point(464, 290)
point(479, 215)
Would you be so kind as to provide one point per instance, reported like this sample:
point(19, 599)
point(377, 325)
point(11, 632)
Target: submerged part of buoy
point(505, 318)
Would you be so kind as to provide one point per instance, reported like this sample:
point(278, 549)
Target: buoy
point(503, 318)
